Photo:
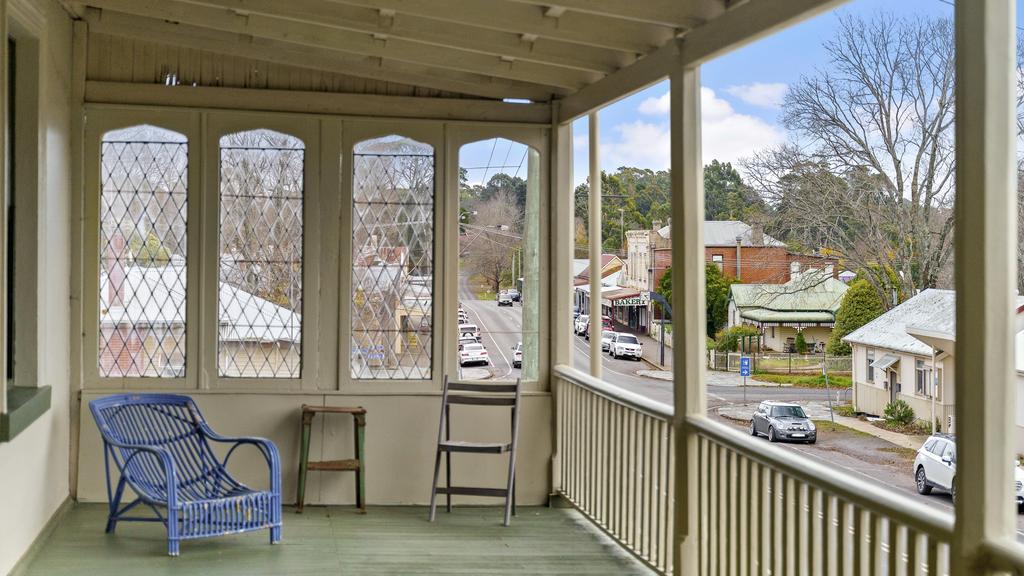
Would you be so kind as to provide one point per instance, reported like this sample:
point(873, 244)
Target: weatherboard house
point(807, 303)
point(908, 353)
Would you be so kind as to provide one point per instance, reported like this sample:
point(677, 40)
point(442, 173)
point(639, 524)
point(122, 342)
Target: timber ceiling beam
point(129, 12)
point(425, 31)
point(567, 26)
point(672, 13)
point(152, 30)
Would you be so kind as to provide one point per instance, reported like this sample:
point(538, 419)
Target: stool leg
point(360, 430)
point(307, 424)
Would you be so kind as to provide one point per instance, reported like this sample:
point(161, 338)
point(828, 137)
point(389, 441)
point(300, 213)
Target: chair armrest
point(130, 451)
point(267, 448)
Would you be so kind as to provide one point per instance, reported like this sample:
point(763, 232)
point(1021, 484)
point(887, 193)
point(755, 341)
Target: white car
point(467, 340)
point(580, 324)
point(935, 467)
point(626, 345)
point(473, 354)
point(606, 340)
point(470, 329)
point(517, 355)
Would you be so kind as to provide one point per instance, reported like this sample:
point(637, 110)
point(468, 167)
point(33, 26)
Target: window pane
point(392, 259)
point(499, 219)
point(261, 238)
point(144, 174)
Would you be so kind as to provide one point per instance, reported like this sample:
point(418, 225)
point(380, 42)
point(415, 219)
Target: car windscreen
point(788, 411)
point(627, 339)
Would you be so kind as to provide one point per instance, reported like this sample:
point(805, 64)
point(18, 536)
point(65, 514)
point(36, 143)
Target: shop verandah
point(353, 113)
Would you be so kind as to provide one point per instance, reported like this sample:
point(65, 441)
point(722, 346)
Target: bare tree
point(495, 235)
point(873, 181)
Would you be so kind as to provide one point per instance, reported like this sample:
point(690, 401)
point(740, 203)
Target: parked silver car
point(782, 421)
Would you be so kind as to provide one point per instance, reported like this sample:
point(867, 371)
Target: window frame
point(869, 359)
point(307, 129)
point(431, 134)
point(98, 123)
point(23, 398)
point(921, 375)
point(535, 137)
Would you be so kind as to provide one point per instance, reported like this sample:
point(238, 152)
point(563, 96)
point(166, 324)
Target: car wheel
point(753, 429)
point(771, 434)
point(812, 440)
point(921, 480)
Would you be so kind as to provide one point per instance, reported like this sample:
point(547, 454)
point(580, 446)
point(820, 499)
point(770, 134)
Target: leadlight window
point(143, 212)
point(868, 370)
point(392, 259)
point(260, 264)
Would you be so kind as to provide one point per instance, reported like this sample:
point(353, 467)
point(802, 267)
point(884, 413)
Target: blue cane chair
point(160, 445)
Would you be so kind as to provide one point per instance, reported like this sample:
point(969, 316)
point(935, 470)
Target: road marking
point(480, 321)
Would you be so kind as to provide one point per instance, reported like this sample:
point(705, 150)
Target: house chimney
point(115, 270)
point(739, 254)
point(830, 270)
point(757, 234)
point(794, 270)
point(656, 225)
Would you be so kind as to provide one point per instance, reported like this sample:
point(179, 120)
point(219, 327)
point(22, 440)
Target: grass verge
point(804, 381)
point(828, 426)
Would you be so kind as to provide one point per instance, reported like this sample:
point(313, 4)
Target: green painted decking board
point(336, 540)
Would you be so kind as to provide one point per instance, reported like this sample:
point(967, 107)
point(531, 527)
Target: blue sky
point(740, 97)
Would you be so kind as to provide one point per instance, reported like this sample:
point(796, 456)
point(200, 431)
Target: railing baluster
point(913, 564)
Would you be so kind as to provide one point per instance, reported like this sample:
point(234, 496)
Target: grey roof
point(155, 296)
point(724, 233)
point(932, 308)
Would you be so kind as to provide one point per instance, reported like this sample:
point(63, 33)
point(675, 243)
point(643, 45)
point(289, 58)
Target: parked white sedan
point(473, 354)
point(606, 340)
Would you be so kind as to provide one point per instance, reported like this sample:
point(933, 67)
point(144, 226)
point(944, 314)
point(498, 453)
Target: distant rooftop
point(812, 296)
point(724, 233)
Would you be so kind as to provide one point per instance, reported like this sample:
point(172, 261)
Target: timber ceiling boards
point(534, 49)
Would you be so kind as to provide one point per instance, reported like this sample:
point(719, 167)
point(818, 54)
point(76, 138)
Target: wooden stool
point(350, 465)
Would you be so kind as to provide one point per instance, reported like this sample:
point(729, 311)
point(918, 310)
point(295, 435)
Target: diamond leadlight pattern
point(143, 209)
point(261, 240)
point(393, 259)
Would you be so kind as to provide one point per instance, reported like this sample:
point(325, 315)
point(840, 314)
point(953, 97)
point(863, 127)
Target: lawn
point(828, 426)
point(805, 381)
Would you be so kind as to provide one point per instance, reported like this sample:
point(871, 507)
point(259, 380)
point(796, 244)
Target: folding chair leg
point(433, 487)
point(448, 481)
point(510, 495)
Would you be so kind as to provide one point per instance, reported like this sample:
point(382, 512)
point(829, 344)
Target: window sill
point(24, 405)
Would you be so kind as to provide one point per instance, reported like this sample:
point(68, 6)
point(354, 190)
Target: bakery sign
point(642, 300)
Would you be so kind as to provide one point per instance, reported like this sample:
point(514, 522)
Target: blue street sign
point(745, 366)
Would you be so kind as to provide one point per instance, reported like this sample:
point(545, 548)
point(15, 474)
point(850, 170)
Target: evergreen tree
point(860, 305)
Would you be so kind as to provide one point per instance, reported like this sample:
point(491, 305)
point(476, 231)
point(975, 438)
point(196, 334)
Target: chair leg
point(275, 535)
point(114, 504)
point(300, 497)
point(433, 487)
point(448, 481)
point(173, 543)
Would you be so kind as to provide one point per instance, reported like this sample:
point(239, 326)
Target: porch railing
point(762, 509)
point(616, 453)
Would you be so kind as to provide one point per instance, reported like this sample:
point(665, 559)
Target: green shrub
point(898, 413)
point(728, 340)
point(801, 343)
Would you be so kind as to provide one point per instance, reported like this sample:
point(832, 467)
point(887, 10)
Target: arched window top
point(393, 145)
point(143, 133)
point(261, 139)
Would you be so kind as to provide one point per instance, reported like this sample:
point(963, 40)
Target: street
point(859, 455)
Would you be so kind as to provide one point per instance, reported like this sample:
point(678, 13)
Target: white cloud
point(761, 94)
point(726, 135)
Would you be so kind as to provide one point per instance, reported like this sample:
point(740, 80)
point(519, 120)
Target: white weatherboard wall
point(34, 465)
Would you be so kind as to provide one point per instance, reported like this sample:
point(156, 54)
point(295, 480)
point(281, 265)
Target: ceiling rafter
point(661, 12)
point(528, 47)
point(332, 40)
point(577, 27)
point(152, 30)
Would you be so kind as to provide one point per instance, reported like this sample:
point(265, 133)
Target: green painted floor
point(388, 540)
